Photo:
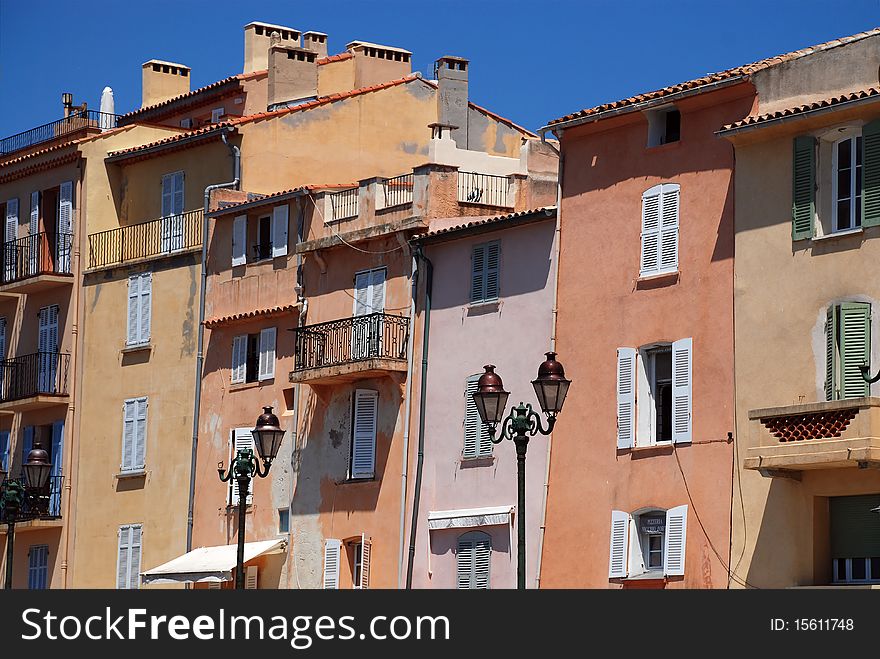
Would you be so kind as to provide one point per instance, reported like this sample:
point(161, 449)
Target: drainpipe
point(406, 423)
point(301, 300)
point(414, 518)
point(200, 357)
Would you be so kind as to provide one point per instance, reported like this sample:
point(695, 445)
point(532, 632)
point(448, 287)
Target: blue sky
point(530, 61)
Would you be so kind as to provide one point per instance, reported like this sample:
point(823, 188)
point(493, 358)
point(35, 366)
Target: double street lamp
point(490, 398)
point(267, 438)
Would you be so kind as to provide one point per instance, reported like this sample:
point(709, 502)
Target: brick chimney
point(163, 80)
point(452, 98)
point(375, 63)
point(256, 43)
point(293, 74)
point(316, 41)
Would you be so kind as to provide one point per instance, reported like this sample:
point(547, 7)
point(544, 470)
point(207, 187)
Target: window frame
point(484, 446)
point(474, 576)
point(646, 390)
point(855, 136)
point(41, 571)
point(140, 403)
point(485, 297)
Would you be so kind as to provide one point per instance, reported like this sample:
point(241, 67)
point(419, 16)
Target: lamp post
point(267, 438)
point(490, 398)
point(23, 501)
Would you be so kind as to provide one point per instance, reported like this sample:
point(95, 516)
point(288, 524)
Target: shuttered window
point(4, 450)
point(855, 538)
point(674, 541)
point(267, 354)
point(48, 348)
point(34, 227)
point(362, 554)
point(847, 348)
point(803, 196)
point(477, 443)
point(10, 267)
point(870, 183)
point(251, 573)
point(363, 445)
point(626, 397)
point(240, 438)
point(660, 222)
point(332, 554)
point(485, 271)
point(140, 292)
point(128, 561)
point(682, 390)
point(473, 558)
point(619, 548)
point(38, 567)
point(279, 230)
point(239, 359)
point(134, 434)
point(239, 240)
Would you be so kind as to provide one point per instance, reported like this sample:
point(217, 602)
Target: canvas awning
point(469, 517)
point(209, 563)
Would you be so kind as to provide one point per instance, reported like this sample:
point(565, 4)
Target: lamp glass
point(491, 405)
point(36, 474)
point(268, 442)
point(551, 394)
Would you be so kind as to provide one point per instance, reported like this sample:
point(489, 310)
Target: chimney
point(452, 97)
point(375, 64)
point(316, 41)
point(256, 43)
point(293, 74)
point(163, 80)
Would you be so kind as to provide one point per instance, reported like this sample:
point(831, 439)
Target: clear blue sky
point(530, 61)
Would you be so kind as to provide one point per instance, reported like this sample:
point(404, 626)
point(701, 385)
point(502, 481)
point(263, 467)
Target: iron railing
point(39, 254)
point(77, 121)
point(397, 191)
point(137, 241)
point(31, 375)
point(42, 504)
point(344, 203)
point(371, 336)
point(484, 189)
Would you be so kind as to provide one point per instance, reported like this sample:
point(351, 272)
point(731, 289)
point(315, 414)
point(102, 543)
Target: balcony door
point(10, 250)
point(172, 212)
point(369, 303)
point(64, 238)
point(47, 357)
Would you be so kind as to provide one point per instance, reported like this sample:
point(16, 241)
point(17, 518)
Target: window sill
point(838, 234)
point(653, 575)
point(477, 461)
point(353, 481)
point(663, 147)
point(238, 386)
point(124, 475)
point(486, 306)
point(658, 279)
point(140, 347)
point(662, 448)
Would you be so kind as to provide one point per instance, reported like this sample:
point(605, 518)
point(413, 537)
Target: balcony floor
point(36, 402)
point(35, 284)
point(342, 373)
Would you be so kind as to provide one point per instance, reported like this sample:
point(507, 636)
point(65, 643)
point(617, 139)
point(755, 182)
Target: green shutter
point(855, 530)
point(831, 353)
point(871, 174)
point(803, 204)
point(855, 347)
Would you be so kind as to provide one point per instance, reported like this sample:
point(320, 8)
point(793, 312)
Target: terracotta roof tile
point(34, 154)
point(271, 312)
point(802, 109)
point(335, 58)
point(174, 138)
point(539, 213)
point(259, 200)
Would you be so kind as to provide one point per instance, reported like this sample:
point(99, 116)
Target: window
point(140, 291)
point(660, 214)
point(172, 211)
point(485, 264)
point(216, 114)
point(10, 269)
point(648, 542)
point(664, 126)
point(239, 240)
point(186, 123)
point(846, 184)
point(360, 569)
point(253, 357)
point(263, 248)
point(38, 567)
point(654, 394)
point(473, 558)
point(51, 438)
point(476, 437)
point(363, 443)
point(855, 539)
point(283, 521)
point(128, 561)
point(332, 552)
point(134, 434)
point(240, 439)
point(4, 451)
point(847, 347)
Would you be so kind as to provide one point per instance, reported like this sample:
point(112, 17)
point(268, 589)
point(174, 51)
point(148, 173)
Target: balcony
point(395, 192)
point(45, 511)
point(137, 242)
point(350, 349)
point(785, 441)
point(485, 190)
point(34, 381)
point(76, 125)
point(36, 263)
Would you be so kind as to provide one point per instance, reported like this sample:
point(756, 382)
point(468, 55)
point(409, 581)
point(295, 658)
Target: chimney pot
point(316, 41)
point(452, 96)
point(293, 75)
point(257, 39)
point(163, 80)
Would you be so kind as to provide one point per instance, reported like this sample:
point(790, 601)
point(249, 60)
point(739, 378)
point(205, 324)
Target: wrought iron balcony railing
point(372, 336)
point(39, 254)
point(32, 375)
point(397, 191)
point(76, 122)
point(484, 189)
point(165, 235)
point(344, 203)
point(44, 504)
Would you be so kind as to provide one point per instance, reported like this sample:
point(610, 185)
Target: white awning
point(469, 517)
point(209, 563)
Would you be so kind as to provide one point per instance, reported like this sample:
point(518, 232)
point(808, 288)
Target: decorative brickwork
point(819, 425)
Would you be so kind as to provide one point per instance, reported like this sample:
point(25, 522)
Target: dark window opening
point(263, 248)
point(673, 126)
point(252, 363)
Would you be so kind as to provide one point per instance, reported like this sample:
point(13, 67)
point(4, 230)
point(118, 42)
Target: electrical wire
point(343, 240)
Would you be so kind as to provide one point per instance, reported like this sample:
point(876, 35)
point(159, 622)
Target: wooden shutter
point(250, 577)
point(831, 385)
point(482, 560)
point(140, 436)
point(267, 354)
point(129, 434)
point(855, 347)
point(145, 307)
point(128, 561)
point(473, 559)
point(27, 442)
point(38, 567)
point(4, 450)
point(803, 198)
point(626, 397)
point(674, 541)
point(619, 544)
point(650, 260)
point(669, 227)
point(240, 438)
point(363, 451)
point(871, 174)
point(122, 545)
point(279, 230)
point(239, 359)
point(34, 228)
point(57, 458)
point(362, 293)
point(854, 531)
point(11, 221)
point(377, 290)
point(134, 565)
point(177, 200)
point(215, 585)
point(134, 294)
point(682, 390)
point(332, 551)
point(478, 273)
point(167, 195)
point(239, 240)
point(366, 555)
point(476, 437)
point(65, 208)
point(493, 265)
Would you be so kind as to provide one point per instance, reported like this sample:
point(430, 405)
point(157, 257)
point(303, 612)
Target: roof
point(335, 58)
point(834, 102)
point(207, 132)
point(259, 200)
point(209, 563)
point(166, 63)
point(34, 154)
point(479, 224)
point(711, 79)
point(367, 44)
point(271, 312)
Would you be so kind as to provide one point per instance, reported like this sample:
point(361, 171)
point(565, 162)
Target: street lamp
point(490, 398)
point(267, 438)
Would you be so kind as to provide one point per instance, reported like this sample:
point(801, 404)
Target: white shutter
point(11, 220)
point(482, 557)
point(674, 541)
point(682, 390)
point(145, 305)
point(619, 544)
point(366, 555)
point(267, 353)
point(134, 560)
point(134, 290)
point(478, 273)
point(250, 577)
point(669, 228)
point(464, 564)
point(167, 195)
point(363, 451)
point(626, 397)
point(650, 261)
point(473, 558)
point(239, 359)
point(128, 556)
point(239, 240)
point(493, 263)
point(362, 293)
point(377, 290)
point(65, 226)
point(332, 551)
point(476, 437)
point(140, 436)
point(129, 433)
point(242, 438)
point(177, 200)
point(122, 556)
point(34, 228)
point(279, 230)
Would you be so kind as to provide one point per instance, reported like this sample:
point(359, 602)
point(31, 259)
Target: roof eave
point(485, 227)
point(173, 144)
point(268, 200)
